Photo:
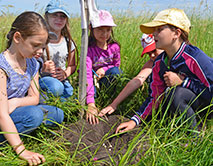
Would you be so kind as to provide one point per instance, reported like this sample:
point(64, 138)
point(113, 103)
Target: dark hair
point(28, 24)
point(92, 39)
point(184, 35)
point(66, 33)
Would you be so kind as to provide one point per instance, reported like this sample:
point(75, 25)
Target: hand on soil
point(92, 114)
point(125, 126)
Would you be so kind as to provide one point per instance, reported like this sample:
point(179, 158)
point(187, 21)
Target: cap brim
point(148, 49)
point(149, 27)
point(59, 10)
point(103, 25)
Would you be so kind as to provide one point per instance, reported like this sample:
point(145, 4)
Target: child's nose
point(105, 33)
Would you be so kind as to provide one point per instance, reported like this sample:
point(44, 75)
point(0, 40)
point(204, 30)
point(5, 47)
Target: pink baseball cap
point(104, 19)
point(148, 43)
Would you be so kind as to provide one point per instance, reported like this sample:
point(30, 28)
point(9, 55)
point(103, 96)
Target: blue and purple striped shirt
point(18, 84)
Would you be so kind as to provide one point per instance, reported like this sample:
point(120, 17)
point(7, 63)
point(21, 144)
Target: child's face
point(32, 45)
point(164, 37)
point(102, 34)
point(57, 21)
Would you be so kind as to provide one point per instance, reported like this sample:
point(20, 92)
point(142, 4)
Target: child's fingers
point(121, 126)
point(111, 111)
point(91, 119)
point(103, 112)
point(97, 120)
point(87, 118)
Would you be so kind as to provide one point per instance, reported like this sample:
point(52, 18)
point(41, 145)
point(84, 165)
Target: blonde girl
point(59, 56)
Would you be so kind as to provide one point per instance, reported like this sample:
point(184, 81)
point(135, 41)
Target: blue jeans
point(57, 88)
point(109, 78)
point(28, 118)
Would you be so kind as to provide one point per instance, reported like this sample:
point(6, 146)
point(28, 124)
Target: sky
point(136, 6)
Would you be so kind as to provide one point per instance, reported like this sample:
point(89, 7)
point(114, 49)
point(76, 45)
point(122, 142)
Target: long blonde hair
point(65, 32)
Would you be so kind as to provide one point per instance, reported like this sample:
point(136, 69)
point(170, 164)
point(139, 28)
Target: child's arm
point(203, 84)
point(157, 87)
point(132, 85)
point(90, 85)
point(116, 58)
point(7, 125)
point(31, 99)
point(71, 66)
point(92, 110)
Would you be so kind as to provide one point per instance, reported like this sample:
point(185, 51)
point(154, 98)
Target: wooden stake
point(84, 48)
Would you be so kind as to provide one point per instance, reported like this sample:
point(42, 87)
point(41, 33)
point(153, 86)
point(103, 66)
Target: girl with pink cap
point(103, 59)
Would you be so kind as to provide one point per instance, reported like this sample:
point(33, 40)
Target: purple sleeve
point(116, 57)
point(90, 86)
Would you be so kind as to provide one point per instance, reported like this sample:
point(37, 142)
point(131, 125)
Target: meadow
point(166, 136)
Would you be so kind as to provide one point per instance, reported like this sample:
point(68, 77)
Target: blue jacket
point(189, 61)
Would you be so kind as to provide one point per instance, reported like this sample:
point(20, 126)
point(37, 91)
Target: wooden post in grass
point(83, 55)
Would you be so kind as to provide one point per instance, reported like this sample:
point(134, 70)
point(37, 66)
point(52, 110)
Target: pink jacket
point(99, 58)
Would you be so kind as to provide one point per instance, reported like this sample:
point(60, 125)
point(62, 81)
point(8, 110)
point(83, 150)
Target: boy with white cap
point(183, 68)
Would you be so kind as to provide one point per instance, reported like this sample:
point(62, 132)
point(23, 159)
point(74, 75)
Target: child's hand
point(125, 126)
point(109, 109)
point(101, 73)
point(32, 158)
point(173, 79)
point(92, 114)
point(49, 67)
point(60, 74)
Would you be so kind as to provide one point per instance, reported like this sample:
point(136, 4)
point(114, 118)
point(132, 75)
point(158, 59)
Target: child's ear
point(178, 32)
point(17, 37)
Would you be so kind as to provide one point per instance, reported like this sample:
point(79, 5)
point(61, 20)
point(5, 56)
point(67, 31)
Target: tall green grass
point(167, 137)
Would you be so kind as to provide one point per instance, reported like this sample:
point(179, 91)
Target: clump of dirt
point(100, 143)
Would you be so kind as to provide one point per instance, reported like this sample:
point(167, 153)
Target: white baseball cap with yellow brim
point(172, 16)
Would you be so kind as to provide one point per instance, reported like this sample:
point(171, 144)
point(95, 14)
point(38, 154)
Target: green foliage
point(167, 138)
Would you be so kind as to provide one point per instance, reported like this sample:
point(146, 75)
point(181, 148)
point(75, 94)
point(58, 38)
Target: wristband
point(17, 146)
